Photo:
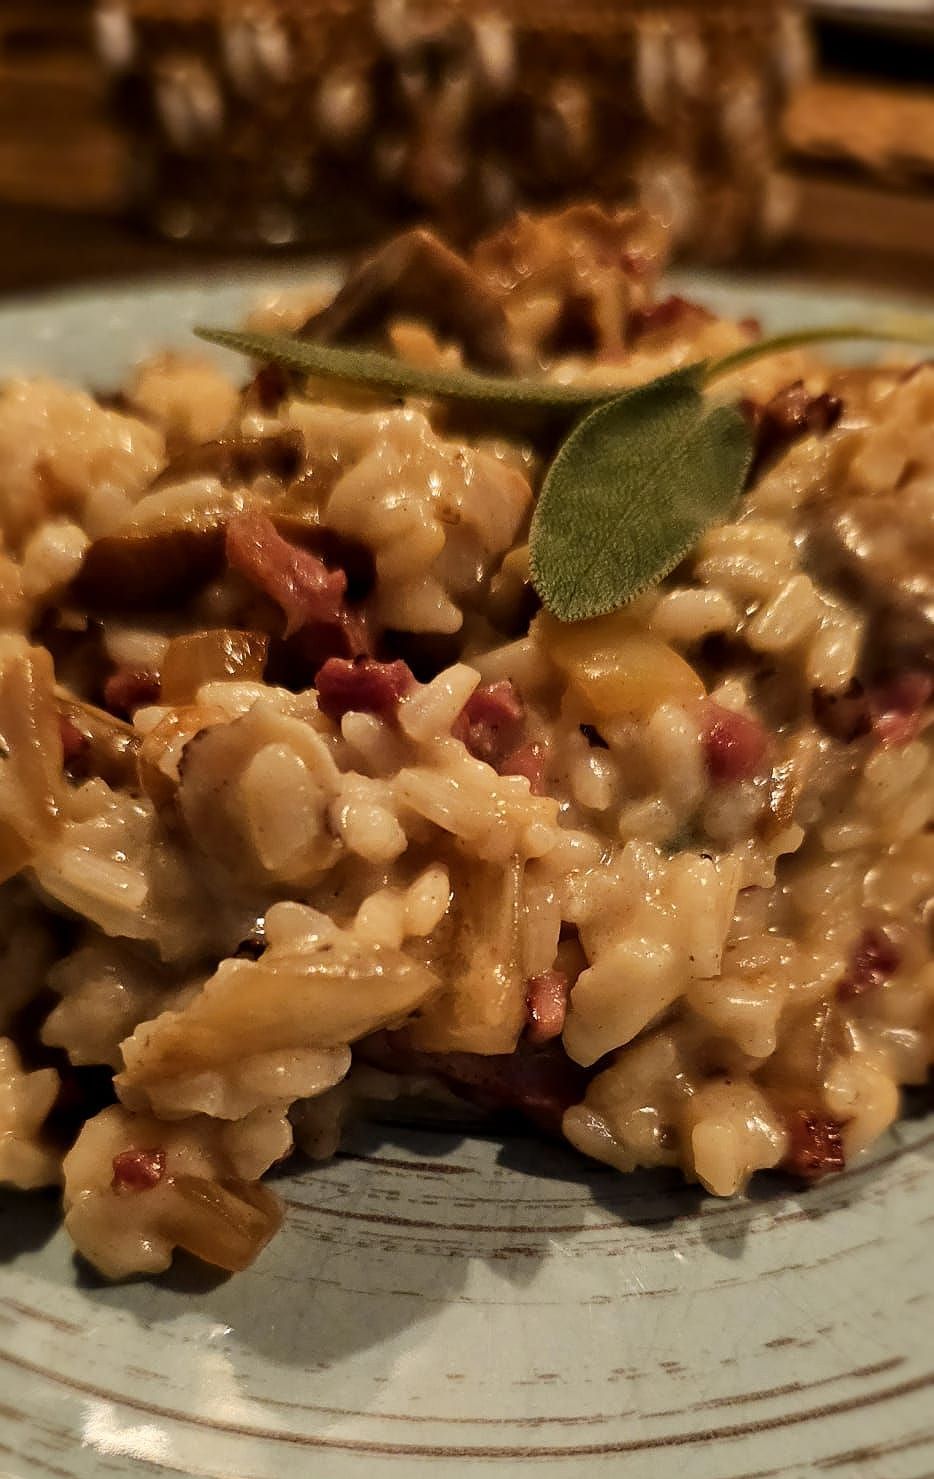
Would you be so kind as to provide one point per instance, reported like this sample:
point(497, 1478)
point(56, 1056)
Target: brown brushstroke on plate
point(479, 1451)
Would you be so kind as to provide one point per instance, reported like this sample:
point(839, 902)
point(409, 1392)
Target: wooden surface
point(883, 132)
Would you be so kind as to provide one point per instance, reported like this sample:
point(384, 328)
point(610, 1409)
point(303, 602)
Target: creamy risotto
point(304, 798)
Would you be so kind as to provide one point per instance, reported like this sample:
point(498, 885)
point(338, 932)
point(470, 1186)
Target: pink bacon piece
point(815, 1145)
point(735, 744)
point(490, 723)
point(74, 743)
point(130, 688)
point(362, 685)
point(138, 1170)
point(300, 584)
point(899, 708)
point(873, 961)
point(529, 761)
point(546, 1004)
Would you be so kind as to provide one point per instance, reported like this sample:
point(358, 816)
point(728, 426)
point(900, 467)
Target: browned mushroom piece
point(482, 1007)
point(417, 276)
point(110, 748)
point(238, 461)
point(876, 545)
point(145, 568)
point(537, 1082)
point(873, 547)
point(31, 755)
point(611, 238)
point(792, 413)
point(598, 265)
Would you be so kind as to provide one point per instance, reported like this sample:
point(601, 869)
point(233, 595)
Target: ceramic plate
point(448, 1304)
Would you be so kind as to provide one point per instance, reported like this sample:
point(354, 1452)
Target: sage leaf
point(502, 396)
point(895, 328)
point(384, 372)
point(630, 491)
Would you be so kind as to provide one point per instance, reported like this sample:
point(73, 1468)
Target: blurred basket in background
point(57, 146)
point(332, 121)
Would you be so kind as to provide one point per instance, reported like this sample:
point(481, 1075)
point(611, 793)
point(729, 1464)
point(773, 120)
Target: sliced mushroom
point(162, 750)
point(312, 994)
point(593, 266)
point(141, 569)
point(225, 1223)
point(31, 777)
point(539, 1083)
point(417, 276)
point(482, 1009)
point(872, 534)
point(112, 745)
point(869, 548)
point(236, 461)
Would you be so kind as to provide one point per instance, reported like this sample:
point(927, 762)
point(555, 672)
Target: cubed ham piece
point(362, 685)
point(791, 414)
point(546, 1004)
point(874, 959)
point(528, 760)
point(899, 707)
point(815, 1145)
point(735, 744)
point(138, 1170)
point(300, 584)
point(130, 688)
point(490, 723)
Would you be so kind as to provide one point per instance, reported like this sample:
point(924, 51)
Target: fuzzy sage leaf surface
point(629, 493)
point(368, 367)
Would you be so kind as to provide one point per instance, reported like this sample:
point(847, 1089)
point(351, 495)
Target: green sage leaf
point(503, 397)
point(630, 491)
point(384, 372)
point(894, 328)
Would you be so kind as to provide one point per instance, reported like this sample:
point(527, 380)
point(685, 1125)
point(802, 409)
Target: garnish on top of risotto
point(305, 794)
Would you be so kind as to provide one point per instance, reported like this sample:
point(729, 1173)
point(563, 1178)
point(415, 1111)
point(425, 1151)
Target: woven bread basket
point(333, 121)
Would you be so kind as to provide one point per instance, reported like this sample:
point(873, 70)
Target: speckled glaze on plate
point(449, 1304)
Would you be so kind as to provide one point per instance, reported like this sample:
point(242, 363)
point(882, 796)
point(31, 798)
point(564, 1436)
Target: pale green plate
point(455, 1306)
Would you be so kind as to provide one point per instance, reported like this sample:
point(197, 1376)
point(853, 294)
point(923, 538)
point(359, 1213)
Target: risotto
point(304, 798)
